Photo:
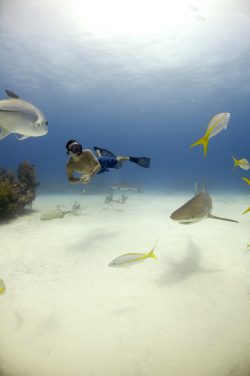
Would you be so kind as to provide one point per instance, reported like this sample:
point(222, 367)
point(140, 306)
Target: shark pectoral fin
point(22, 138)
point(202, 141)
point(3, 133)
point(222, 219)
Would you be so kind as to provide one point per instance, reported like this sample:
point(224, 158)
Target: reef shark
point(196, 209)
point(125, 187)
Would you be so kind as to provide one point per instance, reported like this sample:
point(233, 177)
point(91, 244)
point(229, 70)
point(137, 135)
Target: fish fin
point(3, 133)
point(151, 253)
point(246, 180)
point(222, 219)
point(235, 162)
point(246, 211)
point(202, 141)
point(11, 94)
point(22, 138)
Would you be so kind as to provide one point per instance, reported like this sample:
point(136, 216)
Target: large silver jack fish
point(196, 209)
point(21, 117)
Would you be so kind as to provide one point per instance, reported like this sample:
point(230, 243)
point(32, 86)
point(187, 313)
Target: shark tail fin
point(202, 141)
point(151, 253)
point(235, 162)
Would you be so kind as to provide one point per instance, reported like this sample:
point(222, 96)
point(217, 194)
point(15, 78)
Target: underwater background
point(114, 75)
point(140, 78)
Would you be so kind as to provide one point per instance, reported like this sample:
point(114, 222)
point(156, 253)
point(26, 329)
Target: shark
point(196, 209)
point(125, 187)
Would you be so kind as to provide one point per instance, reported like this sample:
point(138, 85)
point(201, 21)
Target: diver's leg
point(121, 158)
point(98, 153)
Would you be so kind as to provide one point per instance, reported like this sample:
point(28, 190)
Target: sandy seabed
point(66, 312)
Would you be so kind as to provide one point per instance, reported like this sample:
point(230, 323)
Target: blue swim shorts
point(107, 163)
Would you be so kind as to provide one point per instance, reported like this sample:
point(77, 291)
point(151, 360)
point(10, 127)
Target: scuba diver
point(86, 163)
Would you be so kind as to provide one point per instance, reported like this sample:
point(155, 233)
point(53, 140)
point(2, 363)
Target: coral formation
point(15, 193)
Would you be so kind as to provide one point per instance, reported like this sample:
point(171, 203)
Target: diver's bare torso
point(86, 164)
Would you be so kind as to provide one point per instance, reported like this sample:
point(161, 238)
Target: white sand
point(66, 313)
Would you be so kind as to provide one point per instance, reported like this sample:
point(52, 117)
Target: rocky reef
point(17, 191)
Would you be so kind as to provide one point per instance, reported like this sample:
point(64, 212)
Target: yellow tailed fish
point(216, 124)
point(133, 258)
point(242, 163)
point(2, 287)
point(246, 211)
point(246, 180)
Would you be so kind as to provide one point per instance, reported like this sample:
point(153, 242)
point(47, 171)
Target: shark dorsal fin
point(11, 94)
point(195, 189)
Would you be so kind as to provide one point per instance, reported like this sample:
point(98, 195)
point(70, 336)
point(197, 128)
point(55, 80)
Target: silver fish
point(21, 117)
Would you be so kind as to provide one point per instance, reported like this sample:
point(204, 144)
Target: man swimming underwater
point(84, 162)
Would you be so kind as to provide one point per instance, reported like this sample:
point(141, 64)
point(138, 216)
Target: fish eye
point(46, 122)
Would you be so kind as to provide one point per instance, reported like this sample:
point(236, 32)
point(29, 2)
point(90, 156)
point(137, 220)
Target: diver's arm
point(95, 170)
point(70, 176)
point(85, 179)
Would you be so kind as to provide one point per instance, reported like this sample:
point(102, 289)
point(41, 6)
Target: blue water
point(143, 97)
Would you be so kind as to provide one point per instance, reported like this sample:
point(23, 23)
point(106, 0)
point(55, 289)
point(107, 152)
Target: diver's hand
point(85, 179)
